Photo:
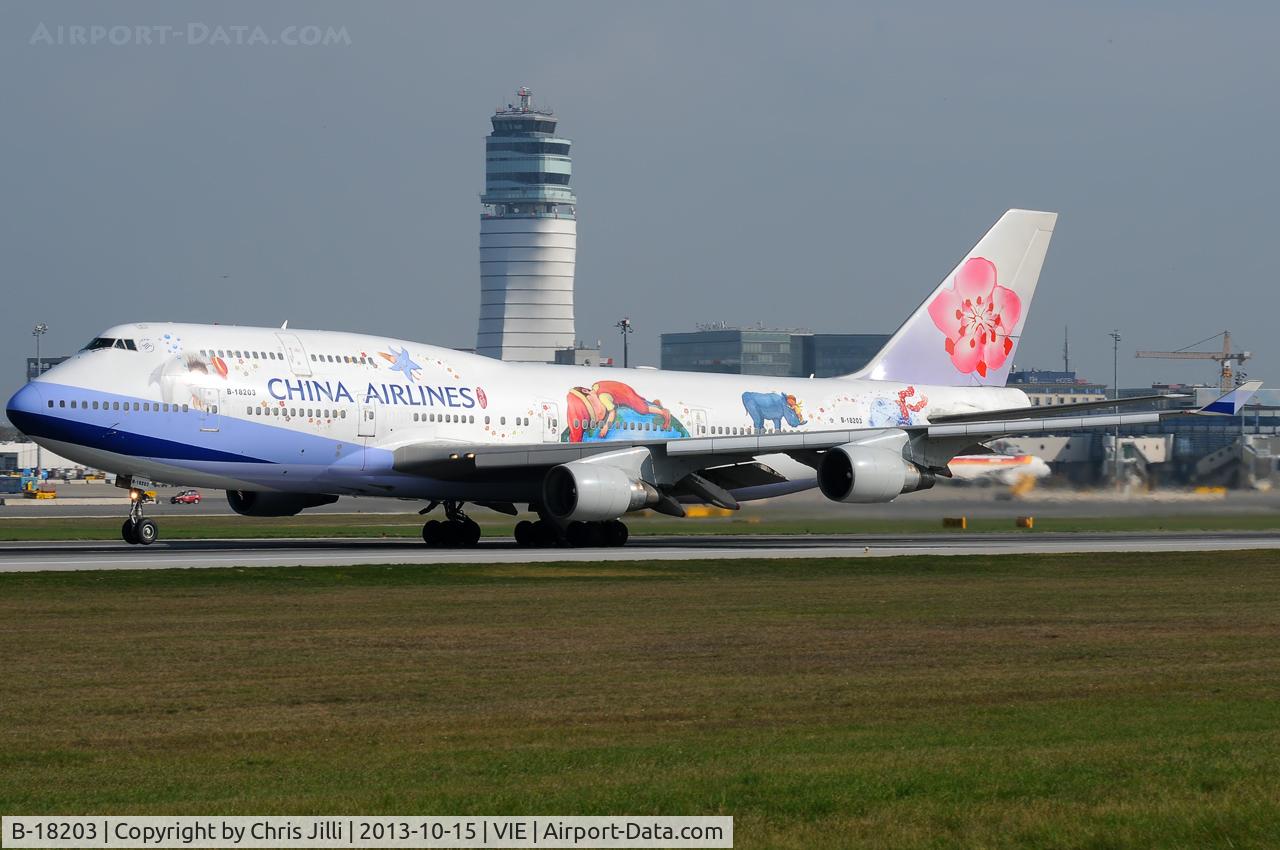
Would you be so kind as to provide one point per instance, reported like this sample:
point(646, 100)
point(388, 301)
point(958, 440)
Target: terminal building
point(528, 238)
point(1045, 388)
point(761, 351)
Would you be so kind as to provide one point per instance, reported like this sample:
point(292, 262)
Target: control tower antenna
point(1066, 348)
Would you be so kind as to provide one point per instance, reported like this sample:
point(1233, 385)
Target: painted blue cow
point(773, 407)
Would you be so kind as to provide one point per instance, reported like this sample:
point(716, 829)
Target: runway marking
point(37, 557)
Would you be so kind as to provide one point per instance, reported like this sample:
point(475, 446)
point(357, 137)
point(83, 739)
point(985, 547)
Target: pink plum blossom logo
point(977, 315)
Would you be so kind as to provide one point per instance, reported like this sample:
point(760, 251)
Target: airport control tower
point(528, 237)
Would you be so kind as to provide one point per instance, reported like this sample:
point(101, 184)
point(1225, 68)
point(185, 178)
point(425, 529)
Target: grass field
point(409, 525)
point(1100, 701)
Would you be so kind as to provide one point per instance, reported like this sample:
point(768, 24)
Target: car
point(186, 497)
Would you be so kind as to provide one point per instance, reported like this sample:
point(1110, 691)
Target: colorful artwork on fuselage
point(773, 407)
point(612, 410)
point(401, 362)
point(901, 410)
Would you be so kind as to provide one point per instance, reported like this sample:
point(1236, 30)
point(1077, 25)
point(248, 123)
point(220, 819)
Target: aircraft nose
point(25, 404)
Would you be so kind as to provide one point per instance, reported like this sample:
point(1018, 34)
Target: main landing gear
point(543, 533)
point(137, 529)
point(456, 531)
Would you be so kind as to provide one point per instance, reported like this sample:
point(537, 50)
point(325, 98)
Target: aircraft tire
point(524, 533)
point(544, 534)
point(147, 532)
point(468, 532)
point(616, 533)
point(431, 532)
point(578, 534)
point(128, 534)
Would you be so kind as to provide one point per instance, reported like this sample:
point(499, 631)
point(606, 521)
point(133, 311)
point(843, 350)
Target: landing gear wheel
point(457, 530)
point(147, 532)
point(524, 533)
point(545, 534)
point(137, 529)
point(469, 532)
point(615, 533)
point(578, 534)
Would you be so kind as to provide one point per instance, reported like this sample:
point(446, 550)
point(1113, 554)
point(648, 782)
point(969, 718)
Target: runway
point(38, 557)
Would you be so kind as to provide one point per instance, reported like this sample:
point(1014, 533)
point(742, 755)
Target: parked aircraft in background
point(998, 468)
point(285, 420)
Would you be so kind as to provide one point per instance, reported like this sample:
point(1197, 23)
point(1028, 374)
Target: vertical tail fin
point(1231, 403)
point(966, 332)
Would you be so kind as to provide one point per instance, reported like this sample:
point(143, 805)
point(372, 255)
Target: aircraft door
point(551, 424)
point(368, 424)
point(697, 423)
point(295, 354)
point(209, 402)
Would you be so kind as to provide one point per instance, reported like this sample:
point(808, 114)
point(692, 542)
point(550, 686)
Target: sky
point(801, 165)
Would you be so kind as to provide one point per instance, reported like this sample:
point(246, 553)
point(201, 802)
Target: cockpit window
point(110, 342)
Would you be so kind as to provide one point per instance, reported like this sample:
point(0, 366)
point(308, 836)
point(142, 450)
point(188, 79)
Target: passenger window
point(313, 358)
point(503, 420)
point(471, 420)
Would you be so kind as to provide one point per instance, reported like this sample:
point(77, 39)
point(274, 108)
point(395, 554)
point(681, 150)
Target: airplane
point(285, 419)
point(1000, 468)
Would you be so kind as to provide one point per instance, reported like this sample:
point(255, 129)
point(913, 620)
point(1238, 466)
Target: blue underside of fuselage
point(189, 440)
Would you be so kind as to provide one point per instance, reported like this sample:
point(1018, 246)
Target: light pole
point(38, 331)
point(624, 328)
point(1115, 394)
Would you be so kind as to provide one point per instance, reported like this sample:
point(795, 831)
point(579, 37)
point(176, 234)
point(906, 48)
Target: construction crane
point(1224, 358)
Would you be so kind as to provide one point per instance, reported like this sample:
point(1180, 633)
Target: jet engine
point(253, 503)
point(589, 492)
point(854, 473)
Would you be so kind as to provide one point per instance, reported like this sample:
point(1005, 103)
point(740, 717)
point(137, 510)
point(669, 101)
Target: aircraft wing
point(933, 444)
point(1050, 410)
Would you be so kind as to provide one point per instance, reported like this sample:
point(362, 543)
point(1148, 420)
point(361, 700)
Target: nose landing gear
point(456, 531)
point(137, 529)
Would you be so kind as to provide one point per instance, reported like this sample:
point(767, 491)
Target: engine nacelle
point(854, 473)
point(594, 491)
point(253, 503)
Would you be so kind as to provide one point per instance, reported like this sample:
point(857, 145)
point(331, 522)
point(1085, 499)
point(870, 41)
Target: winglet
point(1231, 403)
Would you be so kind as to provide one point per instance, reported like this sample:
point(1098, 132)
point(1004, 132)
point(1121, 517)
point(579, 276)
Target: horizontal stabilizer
point(1231, 403)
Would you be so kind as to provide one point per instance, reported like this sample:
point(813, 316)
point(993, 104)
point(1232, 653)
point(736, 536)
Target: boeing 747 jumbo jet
point(286, 420)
